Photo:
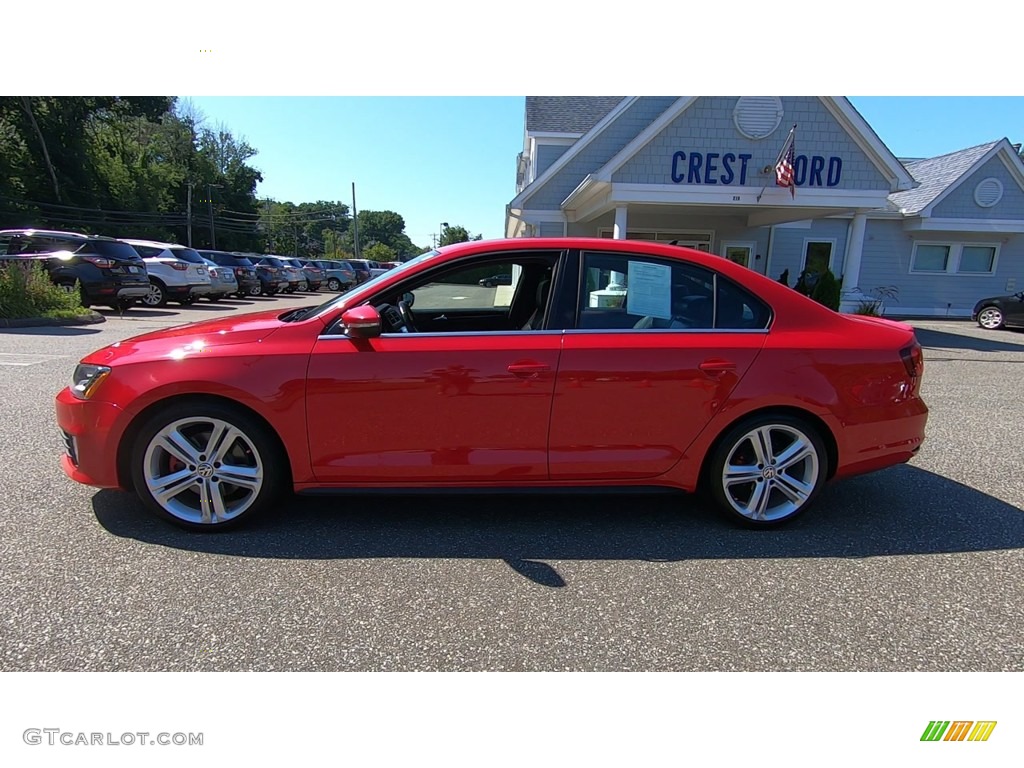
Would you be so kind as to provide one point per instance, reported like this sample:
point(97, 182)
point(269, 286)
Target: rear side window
point(639, 292)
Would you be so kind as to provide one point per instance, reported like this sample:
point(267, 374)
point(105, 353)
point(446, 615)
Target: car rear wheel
point(255, 290)
point(767, 470)
point(157, 295)
point(990, 318)
point(207, 466)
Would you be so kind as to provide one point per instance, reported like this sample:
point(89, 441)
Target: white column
point(854, 250)
point(618, 280)
point(620, 223)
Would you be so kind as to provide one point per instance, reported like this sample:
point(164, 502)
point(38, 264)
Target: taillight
point(99, 261)
point(239, 270)
point(913, 359)
point(179, 265)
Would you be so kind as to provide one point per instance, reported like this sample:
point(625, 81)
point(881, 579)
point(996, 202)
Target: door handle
point(528, 370)
point(717, 365)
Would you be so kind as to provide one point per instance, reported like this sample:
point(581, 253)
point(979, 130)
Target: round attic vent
point(757, 116)
point(988, 192)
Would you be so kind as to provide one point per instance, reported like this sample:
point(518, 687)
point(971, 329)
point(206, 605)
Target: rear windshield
point(227, 259)
point(112, 249)
point(189, 255)
point(272, 262)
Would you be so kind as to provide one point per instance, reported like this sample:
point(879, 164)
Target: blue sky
point(452, 159)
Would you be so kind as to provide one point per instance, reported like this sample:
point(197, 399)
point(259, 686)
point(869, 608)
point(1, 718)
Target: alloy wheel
point(203, 470)
point(771, 472)
point(990, 318)
point(155, 297)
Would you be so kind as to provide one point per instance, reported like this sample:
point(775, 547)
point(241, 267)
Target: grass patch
point(26, 291)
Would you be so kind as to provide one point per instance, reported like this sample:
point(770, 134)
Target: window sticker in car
point(649, 290)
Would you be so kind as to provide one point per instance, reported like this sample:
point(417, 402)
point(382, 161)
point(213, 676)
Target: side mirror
point(361, 322)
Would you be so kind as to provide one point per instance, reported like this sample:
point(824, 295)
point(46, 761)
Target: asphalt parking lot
point(913, 568)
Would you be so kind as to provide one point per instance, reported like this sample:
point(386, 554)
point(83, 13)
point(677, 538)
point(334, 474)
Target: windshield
point(369, 284)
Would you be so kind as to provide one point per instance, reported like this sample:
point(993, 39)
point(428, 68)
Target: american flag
point(784, 165)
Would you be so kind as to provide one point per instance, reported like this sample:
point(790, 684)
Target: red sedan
point(604, 363)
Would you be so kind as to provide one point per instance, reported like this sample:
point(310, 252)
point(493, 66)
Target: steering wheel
point(407, 318)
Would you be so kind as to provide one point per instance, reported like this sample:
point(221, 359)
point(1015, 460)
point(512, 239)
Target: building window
point(818, 256)
point(977, 259)
point(739, 253)
point(954, 258)
point(930, 258)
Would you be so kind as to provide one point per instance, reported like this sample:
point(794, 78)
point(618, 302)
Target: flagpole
point(785, 146)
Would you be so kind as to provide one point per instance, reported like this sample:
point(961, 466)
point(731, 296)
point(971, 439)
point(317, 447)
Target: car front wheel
point(767, 470)
point(334, 284)
point(207, 466)
point(990, 318)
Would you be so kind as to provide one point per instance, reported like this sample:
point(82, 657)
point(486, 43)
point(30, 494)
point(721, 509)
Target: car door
point(657, 347)
point(451, 403)
point(1013, 309)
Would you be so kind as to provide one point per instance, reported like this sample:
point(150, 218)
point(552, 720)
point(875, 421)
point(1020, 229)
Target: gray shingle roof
point(934, 176)
point(567, 114)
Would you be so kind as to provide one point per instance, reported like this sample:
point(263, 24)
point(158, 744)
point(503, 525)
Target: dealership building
point(935, 234)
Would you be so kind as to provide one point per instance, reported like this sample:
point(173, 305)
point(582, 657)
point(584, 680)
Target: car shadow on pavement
point(53, 330)
point(899, 511)
point(932, 339)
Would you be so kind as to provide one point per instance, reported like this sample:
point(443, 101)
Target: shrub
point(27, 291)
point(828, 291)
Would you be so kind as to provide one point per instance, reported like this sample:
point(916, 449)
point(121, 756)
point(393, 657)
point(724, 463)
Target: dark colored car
point(106, 271)
point(273, 278)
point(493, 280)
point(287, 274)
point(730, 382)
point(1000, 312)
point(244, 269)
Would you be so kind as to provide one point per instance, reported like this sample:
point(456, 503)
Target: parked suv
point(339, 274)
point(271, 273)
point(290, 274)
point(176, 273)
point(245, 271)
point(105, 271)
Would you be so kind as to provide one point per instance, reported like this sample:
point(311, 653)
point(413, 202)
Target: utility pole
point(213, 231)
point(188, 214)
point(355, 222)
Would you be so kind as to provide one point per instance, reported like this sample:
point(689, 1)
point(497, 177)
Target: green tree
point(379, 252)
point(827, 291)
point(456, 234)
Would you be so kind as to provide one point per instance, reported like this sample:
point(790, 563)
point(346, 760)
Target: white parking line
point(14, 359)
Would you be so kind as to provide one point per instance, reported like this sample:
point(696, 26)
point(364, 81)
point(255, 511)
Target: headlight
point(86, 379)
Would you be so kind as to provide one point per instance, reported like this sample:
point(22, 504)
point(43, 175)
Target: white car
point(176, 272)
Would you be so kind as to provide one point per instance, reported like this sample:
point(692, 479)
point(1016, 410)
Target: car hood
point(181, 341)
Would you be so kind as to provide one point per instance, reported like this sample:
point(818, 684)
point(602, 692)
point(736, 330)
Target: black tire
point(334, 284)
point(157, 296)
point(257, 462)
point(775, 488)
